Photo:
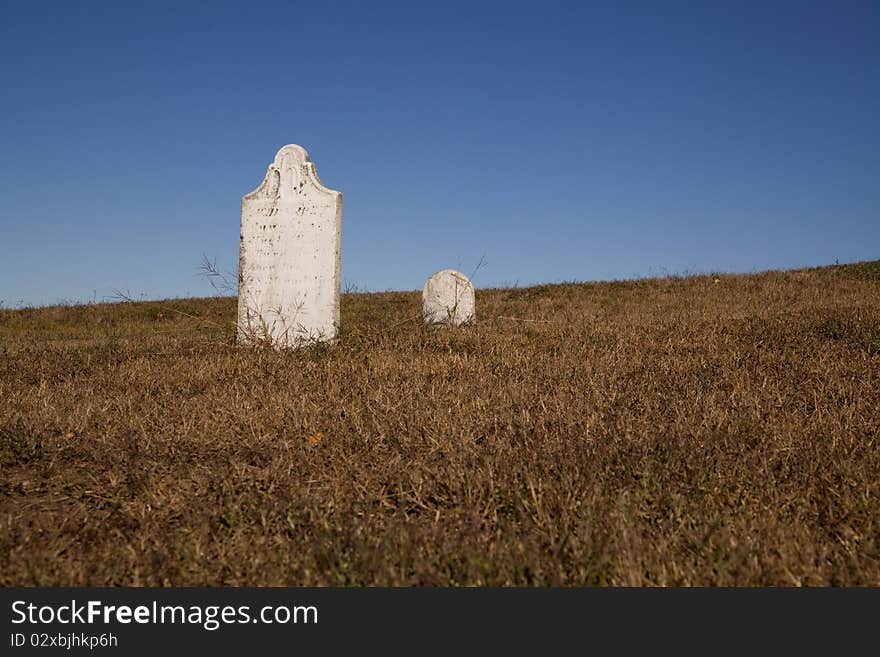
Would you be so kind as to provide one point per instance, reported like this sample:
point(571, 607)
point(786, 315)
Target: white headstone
point(448, 298)
point(288, 267)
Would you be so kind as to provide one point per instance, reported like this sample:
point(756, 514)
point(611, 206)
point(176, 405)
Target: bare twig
point(408, 319)
point(480, 265)
point(220, 281)
point(520, 319)
point(125, 297)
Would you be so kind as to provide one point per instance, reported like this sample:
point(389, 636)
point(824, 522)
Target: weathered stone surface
point(288, 269)
point(448, 298)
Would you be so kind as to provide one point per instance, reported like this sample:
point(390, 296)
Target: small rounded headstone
point(448, 298)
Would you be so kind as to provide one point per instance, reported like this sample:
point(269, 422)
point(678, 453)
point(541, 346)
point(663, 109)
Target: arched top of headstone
point(289, 173)
point(457, 275)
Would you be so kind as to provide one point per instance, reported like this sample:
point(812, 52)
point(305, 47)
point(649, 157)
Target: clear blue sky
point(565, 141)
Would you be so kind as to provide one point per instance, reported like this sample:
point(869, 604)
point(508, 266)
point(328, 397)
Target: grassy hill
point(701, 430)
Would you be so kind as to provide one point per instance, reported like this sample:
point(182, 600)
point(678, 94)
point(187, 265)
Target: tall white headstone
point(448, 298)
point(288, 267)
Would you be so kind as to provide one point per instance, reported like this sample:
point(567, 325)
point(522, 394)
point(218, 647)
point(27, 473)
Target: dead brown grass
point(666, 431)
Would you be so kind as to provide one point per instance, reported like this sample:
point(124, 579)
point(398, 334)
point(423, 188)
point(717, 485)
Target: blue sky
point(563, 141)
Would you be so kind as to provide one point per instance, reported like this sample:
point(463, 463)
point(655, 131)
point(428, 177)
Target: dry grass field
point(706, 430)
